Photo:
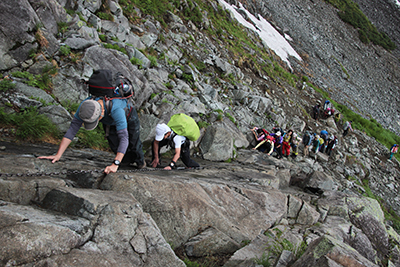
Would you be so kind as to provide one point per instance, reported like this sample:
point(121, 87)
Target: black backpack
point(104, 84)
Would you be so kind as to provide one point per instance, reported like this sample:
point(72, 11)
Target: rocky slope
point(308, 211)
point(364, 77)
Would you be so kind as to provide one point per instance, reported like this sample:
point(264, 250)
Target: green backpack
point(184, 125)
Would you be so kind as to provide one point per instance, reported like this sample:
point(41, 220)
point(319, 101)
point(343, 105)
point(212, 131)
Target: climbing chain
point(77, 172)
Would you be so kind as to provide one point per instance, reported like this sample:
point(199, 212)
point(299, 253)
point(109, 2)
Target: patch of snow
point(271, 37)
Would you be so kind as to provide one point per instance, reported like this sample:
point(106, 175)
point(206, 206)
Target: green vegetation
point(103, 38)
point(203, 124)
point(105, 16)
point(94, 139)
point(153, 61)
point(155, 8)
point(71, 107)
point(65, 50)
point(6, 84)
point(42, 81)
point(116, 47)
point(190, 263)
point(136, 61)
point(29, 124)
point(390, 214)
point(371, 127)
point(62, 27)
point(350, 12)
point(264, 260)
point(280, 244)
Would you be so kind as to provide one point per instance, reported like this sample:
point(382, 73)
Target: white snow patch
point(271, 37)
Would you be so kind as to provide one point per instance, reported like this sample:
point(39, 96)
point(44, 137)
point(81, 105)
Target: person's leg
point(135, 148)
point(285, 149)
point(279, 151)
point(185, 156)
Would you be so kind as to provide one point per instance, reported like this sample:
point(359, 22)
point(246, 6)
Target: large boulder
point(239, 213)
point(16, 27)
point(217, 144)
point(327, 252)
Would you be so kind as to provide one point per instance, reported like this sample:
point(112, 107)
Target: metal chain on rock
point(37, 174)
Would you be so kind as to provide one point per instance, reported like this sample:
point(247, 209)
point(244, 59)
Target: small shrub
point(71, 107)
point(116, 47)
point(103, 38)
point(29, 124)
point(264, 260)
point(65, 50)
point(153, 61)
point(188, 78)
point(136, 61)
point(62, 27)
point(6, 84)
point(105, 16)
point(203, 124)
point(94, 139)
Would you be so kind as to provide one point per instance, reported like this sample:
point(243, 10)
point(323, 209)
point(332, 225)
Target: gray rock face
point(256, 206)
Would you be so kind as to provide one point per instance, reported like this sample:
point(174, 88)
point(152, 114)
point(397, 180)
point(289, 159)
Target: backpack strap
point(171, 140)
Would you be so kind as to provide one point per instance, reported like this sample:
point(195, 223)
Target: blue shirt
point(117, 118)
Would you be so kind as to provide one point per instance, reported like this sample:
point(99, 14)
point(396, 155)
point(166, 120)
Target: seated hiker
point(393, 150)
point(268, 144)
point(259, 135)
point(286, 143)
point(164, 137)
point(123, 134)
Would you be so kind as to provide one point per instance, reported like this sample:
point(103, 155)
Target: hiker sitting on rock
point(90, 113)
point(260, 135)
point(267, 144)
point(164, 137)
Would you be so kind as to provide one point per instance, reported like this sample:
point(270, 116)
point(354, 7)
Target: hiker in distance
point(393, 150)
point(166, 136)
point(92, 111)
point(347, 127)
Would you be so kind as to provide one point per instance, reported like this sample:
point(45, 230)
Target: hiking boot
point(138, 165)
point(142, 166)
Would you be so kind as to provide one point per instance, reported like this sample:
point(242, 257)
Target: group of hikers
point(286, 144)
point(327, 110)
point(111, 104)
